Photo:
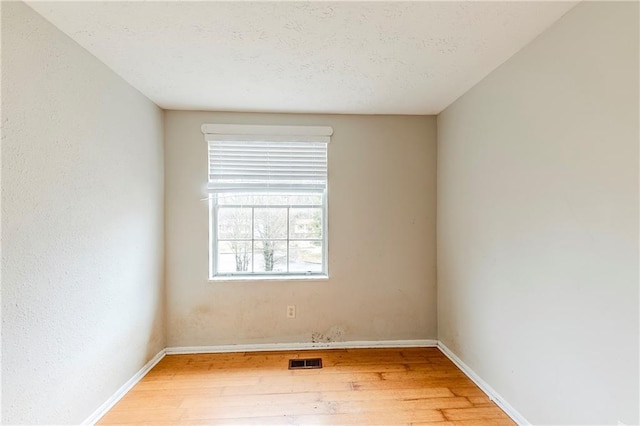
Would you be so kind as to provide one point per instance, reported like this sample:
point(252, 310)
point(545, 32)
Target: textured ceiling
point(330, 57)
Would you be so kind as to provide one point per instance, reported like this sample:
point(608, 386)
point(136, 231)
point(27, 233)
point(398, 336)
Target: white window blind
point(283, 158)
point(249, 165)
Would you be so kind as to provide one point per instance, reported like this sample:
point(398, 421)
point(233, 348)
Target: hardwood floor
point(408, 386)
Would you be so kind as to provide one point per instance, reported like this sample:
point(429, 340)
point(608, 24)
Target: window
point(267, 200)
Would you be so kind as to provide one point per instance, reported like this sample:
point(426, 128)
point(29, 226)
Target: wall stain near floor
point(199, 318)
point(334, 334)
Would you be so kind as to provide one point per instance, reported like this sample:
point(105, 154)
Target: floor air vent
point(299, 364)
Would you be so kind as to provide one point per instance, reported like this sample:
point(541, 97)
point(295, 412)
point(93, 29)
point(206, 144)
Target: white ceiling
point(329, 57)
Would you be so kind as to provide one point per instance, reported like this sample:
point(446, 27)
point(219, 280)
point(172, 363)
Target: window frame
point(214, 275)
point(277, 134)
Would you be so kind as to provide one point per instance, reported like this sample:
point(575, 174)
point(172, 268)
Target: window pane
point(252, 230)
point(234, 256)
point(270, 223)
point(234, 223)
point(305, 256)
point(236, 198)
point(305, 199)
point(305, 223)
point(268, 199)
point(270, 256)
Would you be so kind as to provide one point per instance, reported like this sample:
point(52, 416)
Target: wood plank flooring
point(408, 386)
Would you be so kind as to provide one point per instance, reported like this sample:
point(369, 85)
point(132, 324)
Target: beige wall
point(82, 226)
point(381, 239)
point(538, 222)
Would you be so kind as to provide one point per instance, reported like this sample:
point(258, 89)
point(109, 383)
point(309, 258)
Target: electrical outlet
point(291, 311)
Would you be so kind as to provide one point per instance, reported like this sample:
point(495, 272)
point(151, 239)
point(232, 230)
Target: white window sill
point(231, 278)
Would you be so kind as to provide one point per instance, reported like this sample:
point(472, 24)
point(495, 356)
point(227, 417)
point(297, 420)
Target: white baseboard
point(491, 393)
point(117, 396)
point(268, 347)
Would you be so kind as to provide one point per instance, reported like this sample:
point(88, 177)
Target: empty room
point(305, 213)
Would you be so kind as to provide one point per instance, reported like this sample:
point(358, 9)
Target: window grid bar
point(272, 206)
point(246, 240)
point(267, 273)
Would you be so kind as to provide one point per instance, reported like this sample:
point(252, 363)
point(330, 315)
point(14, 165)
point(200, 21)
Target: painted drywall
point(538, 222)
point(381, 201)
point(82, 226)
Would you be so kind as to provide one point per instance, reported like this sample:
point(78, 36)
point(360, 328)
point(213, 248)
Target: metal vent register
point(299, 364)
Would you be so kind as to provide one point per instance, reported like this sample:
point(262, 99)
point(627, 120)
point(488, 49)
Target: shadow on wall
point(156, 341)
